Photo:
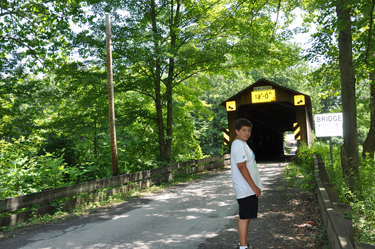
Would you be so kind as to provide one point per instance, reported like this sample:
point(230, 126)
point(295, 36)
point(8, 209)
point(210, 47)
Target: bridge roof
point(276, 115)
point(263, 82)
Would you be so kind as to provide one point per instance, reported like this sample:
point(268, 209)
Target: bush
point(22, 171)
point(301, 172)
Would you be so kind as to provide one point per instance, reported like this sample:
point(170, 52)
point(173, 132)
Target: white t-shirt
point(241, 152)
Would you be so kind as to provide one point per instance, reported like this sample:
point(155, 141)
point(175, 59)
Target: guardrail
point(335, 215)
point(117, 184)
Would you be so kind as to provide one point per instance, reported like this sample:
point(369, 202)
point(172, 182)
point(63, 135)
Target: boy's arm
point(245, 173)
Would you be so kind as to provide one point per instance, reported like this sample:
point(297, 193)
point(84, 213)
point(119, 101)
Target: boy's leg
point(243, 226)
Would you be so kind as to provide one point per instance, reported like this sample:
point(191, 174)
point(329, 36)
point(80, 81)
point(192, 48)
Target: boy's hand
point(245, 173)
point(257, 191)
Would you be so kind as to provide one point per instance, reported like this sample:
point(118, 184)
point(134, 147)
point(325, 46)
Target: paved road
point(181, 217)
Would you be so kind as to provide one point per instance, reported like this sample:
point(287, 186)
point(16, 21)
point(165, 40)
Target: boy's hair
point(242, 122)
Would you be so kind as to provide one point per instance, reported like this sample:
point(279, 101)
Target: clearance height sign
point(328, 125)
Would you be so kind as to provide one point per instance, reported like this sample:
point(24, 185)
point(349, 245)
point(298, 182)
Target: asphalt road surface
point(180, 217)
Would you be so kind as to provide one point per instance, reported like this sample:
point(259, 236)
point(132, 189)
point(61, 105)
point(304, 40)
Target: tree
point(343, 42)
point(79, 111)
point(32, 32)
point(366, 46)
point(157, 45)
point(349, 150)
point(34, 37)
point(369, 143)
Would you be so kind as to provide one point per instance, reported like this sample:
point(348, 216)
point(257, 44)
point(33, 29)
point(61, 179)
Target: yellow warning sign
point(299, 99)
point(231, 106)
point(263, 96)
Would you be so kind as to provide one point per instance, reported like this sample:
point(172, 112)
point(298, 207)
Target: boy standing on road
point(245, 178)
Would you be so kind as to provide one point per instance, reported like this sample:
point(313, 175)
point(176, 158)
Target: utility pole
point(111, 103)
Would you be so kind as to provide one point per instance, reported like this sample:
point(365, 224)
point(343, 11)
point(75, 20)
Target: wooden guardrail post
point(167, 173)
point(322, 166)
point(331, 191)
point(146, 175)
point(190, 165)
point(324, 177)
point(336, 234)
point(226, 159)
point(344, 217)
point(322, 172)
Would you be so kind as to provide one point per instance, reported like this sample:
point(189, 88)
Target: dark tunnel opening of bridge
point(274, 110)
point(270, 122)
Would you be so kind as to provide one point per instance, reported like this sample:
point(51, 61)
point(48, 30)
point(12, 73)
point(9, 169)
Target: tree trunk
point(175, 16)
point(157, 82)
point(349, 151)
point(95, 134)
point(168, 140)
point(369, 143)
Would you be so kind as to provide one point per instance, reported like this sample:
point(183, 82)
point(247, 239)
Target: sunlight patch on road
point(120, 216)
point(201, 210)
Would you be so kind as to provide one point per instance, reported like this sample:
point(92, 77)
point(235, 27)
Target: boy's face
point(244, 133)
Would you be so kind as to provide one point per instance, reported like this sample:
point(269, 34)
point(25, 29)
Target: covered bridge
point(273, 109)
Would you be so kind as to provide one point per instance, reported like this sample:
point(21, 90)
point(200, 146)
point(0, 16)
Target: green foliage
point(35, 32)
point(22, 171)
point(60, 146)
point(34, 37)
point(301, 172)
point(19, 110)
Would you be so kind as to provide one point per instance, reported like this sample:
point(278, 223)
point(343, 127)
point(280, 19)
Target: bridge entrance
point(273, 109)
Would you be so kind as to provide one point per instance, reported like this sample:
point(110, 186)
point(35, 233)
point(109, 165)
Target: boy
point(245, 178)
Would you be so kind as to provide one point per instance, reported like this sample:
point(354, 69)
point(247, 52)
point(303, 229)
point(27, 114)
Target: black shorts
point(248, 207)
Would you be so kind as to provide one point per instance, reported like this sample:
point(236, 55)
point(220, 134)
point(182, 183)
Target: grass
point(301, 171)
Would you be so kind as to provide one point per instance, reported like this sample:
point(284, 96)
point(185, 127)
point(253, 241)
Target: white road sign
point(328, 125)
